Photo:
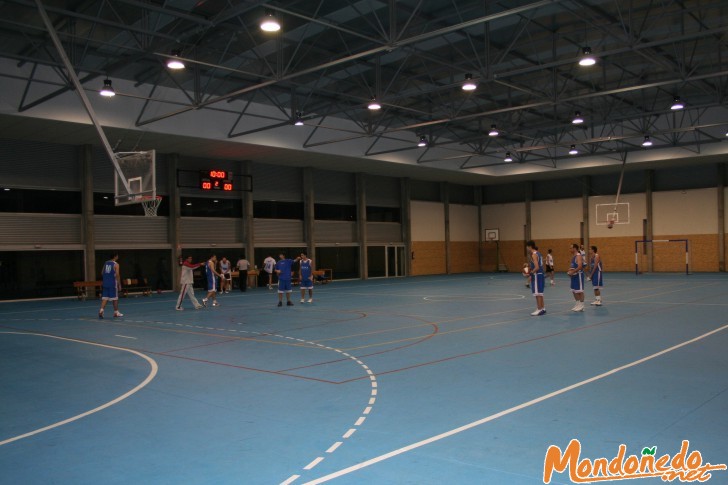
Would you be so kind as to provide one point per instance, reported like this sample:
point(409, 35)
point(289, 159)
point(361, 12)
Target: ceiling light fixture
point(469, 84)
point(422, 142)
point(677, 104)
point(587, 58)
point(175, 62)
point(647, 142)
point(374, 104)
point(573, 150)
point(577, 119)
point(108, 89)
point(299, 119)
point(493, 131)
point(508, 157)
point(269, 23)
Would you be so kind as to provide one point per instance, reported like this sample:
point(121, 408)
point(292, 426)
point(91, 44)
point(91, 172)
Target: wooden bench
point(134, 285)
point(83, 286)
point(322, 276)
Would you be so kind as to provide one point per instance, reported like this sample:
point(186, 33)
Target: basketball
point(526, 272)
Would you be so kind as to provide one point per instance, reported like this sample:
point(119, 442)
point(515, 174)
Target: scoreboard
point(216, 180)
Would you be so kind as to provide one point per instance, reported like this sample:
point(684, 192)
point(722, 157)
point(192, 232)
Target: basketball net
point(151, 204)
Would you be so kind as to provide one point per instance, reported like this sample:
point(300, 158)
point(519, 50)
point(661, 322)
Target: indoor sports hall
point(405, 242)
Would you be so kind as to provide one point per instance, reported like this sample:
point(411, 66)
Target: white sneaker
point(553, 283)
point(179, 308)
point(198, 307)
point(536, 313)
point(118, 314)
point(215, 303)
point(302, 300)
point(204, 302)
point(597, 303)
point(310, 300)
point(579, 307)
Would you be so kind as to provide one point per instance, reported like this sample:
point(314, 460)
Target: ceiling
point(242, 88)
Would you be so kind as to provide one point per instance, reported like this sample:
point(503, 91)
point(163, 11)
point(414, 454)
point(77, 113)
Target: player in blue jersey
point(576, 274)
point(211, 275)
point(596, 275)
point(535, 271)
point(283, 270)
point(110, 285)
point(306, 276)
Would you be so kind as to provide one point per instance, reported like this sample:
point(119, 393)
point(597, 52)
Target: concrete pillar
point(174, 217)
point(528, 195)
point(649, 228)
point(308, 211)
point(585, 211)
point(87, 210)
point(445, 198)
point(478, 199)
point(406, 211)
point(248, 221)
point(361, 210)
point(721, 216)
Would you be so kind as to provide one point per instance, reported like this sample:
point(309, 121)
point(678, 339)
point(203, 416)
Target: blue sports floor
point(428, 380)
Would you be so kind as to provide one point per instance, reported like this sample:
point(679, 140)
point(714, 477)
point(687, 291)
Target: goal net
point(662, 256)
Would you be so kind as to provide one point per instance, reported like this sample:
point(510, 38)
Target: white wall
point(509, 219)
point(685, 212)
point(463, 223)
point(556, 219)
point(428, 221)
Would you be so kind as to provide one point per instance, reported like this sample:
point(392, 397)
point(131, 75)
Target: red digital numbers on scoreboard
point(216, 180)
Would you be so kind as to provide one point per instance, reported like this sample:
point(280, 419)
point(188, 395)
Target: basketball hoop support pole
point(79, 89)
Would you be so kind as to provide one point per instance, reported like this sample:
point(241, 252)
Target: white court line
point(125, 336)
point(291, 479)
point(492, 417)
point(146, 381)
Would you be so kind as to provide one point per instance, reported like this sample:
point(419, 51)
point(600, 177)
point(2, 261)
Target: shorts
point(597, 280)
point(577, 283)
point(284, 286)
point(549, 268)
point(537, 284)
point(307, 284)
point(227, 276)
point(109, 293)
point(211, 286)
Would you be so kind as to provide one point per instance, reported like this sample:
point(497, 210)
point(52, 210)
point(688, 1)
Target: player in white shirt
point(550, 267)
point(268, 265)
point(186, 280)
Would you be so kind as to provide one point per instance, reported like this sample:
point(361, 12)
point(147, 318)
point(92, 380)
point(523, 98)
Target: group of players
point(111, 280)
point(534, 270)
point(214, 273)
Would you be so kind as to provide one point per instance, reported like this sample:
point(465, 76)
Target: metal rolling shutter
point(30, 165)
point(208, 231)
point(272, 182)
point(335, 231)
point(23, 229)
point(278, 231)
point(130, 230)
point(384, 232)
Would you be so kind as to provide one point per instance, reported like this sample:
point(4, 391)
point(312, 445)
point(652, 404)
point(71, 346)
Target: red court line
point(436, 329)
point(512, 344)
point(202, 345)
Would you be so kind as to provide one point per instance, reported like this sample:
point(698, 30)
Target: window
point(40, 201)
point(383, 214)
point(269, 209)
point(104, 205)
point(210, 207)
point(334, 212)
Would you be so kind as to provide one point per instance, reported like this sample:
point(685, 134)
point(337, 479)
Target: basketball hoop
point(151, 204)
